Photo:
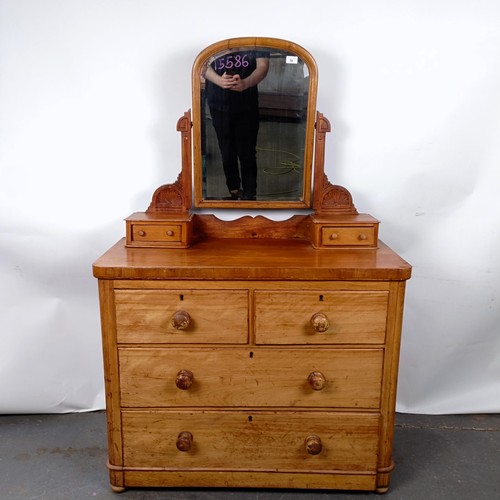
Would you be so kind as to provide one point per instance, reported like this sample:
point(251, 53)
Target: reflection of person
point(231, 90)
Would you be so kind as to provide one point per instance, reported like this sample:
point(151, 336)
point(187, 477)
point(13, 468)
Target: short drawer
point(251, 440)
point(213, 316)
point(160, 232)
point(333, 378)
point(310, 317)
point(348, 236)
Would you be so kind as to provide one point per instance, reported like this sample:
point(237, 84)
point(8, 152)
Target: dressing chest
point(251, 352)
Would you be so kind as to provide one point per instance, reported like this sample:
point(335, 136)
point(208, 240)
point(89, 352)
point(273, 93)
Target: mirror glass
point(253, 124)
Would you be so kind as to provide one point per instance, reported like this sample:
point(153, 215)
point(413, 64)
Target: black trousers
point(237, 137)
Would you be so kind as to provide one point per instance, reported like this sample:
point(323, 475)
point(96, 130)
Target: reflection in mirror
point(254, 139)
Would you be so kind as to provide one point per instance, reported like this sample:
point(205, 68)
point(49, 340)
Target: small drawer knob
point(184, 379)
point(317, 381)
point(334, 236)
point(320, 322)
point(362, 237)
point(184, 441)
point(180, 320)
point(170, 232)
point(313, 445)
point(141, 233)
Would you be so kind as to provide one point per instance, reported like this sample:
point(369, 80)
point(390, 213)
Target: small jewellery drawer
point(348, 236)
point(151, 232)
point(211, 440)
point(181, 316)
point(200, 377)
point(330, 317)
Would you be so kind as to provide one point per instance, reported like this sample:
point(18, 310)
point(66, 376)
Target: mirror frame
point(254, 42)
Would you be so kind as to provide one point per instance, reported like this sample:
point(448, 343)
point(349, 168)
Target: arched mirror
point(254, 105)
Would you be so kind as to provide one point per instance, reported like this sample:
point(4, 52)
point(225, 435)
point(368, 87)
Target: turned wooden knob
point(141, 233)
point(334, 236)
point(180, 320)
point(362, 237)
point(313, 445)
point(170, 232)
point(184, 379)
point(320, 322)
point(317, 381)
point(184, 441)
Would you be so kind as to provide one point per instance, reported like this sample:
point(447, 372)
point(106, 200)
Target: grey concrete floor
point(63, 457)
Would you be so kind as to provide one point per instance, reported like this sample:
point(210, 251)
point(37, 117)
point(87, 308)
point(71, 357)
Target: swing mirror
point(254, 105)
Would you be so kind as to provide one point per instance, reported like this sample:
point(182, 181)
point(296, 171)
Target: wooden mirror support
point(170, 222)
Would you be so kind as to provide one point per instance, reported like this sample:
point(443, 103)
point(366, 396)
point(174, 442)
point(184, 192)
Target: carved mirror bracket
point(176, 197)
point(335, 222)
point(168, 221)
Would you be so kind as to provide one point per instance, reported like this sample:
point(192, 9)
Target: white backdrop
point(90, 93)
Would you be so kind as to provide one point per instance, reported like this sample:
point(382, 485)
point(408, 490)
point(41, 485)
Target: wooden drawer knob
point(334, 236)
point(180, 320)
point(313, 445)
point(362, 237)
point(184, 379)
point(170, 232)
point(141, 233)
point(317, 381)
point(184, 441)
point(320, 322)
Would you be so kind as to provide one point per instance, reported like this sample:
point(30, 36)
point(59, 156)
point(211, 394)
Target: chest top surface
point(239, 259)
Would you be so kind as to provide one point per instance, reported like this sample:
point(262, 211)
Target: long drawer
point(286, 441)
point(263, 377)
point(342, 317)
point(213, 316)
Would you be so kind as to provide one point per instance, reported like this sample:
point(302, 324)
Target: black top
point(241, 63)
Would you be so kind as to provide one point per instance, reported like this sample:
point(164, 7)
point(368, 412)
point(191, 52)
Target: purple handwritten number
point(244, 61)
point(236, 61)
